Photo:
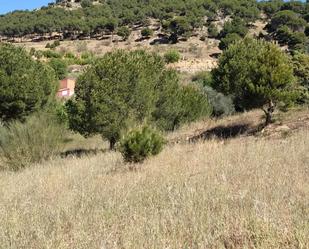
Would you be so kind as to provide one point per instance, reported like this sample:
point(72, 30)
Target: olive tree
point(257, 74)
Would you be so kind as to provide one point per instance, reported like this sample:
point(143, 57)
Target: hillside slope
point(245, 193)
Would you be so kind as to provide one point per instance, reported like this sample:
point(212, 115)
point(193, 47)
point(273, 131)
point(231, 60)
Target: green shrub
point(221, 105)
point(53, 45)
point(213, 31)
point(32, 51)
point(228, 40)
point(236, 26)
point(87, 58)
point(69, 55)
point(172, 56)
point(204, 78)
point(56, 43)
point(51, 54)
point(86, 3)
point(147, 32)
point(307, 31)
point(38, 139)
point(140, 144)
point(124, 32)
point(194, 104)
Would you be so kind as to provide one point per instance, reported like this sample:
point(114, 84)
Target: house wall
point(66, 88)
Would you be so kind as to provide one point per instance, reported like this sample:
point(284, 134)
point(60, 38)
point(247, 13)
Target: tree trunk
point(112, 143)
point(268, 118)
point(269, 112)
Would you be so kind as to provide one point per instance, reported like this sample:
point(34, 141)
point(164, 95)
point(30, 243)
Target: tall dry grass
point(246, 193)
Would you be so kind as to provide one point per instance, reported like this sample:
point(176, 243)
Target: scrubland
point(246, 192)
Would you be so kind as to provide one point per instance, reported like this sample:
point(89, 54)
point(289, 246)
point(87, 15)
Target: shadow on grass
point(227, 132)
point(161, 40)
point(82, 152)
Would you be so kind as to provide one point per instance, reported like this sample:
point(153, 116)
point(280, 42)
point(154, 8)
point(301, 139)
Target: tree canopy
point(25, 85)
point(104, 17)
point(257, 74)
point(124, 88)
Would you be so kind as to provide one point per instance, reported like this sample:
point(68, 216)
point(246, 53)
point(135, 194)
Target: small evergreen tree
point(258, 75)
point(25, 85)
point(118, 89)
point(178, 27)
point(139, 144)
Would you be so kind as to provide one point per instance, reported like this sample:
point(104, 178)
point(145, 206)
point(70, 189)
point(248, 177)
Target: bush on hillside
point(286, 18)
point(69, 55)
point(38, 139)
point(179, 105)
point(213, 31)
point(147, 32)
point(53, 45)
point(141, 143)
point(172, 56)
point(228, 40)
point(178, 26)
point(124, 32)
point(194, 104)
point(51, 54)
point(86, 3)
point(204, 78)
point(236, 26)
point(221, 105)
point(301, 68)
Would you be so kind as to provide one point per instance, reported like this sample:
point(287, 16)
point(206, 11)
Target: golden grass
point(246, 193)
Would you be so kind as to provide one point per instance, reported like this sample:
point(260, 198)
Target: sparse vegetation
point(38, 139)
point(147, 32)
point(53, 45)
point(172, 56)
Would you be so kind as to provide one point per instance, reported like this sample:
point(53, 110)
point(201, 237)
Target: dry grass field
point(246, 192)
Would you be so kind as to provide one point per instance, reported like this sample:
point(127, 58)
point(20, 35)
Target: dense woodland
point(287, 21)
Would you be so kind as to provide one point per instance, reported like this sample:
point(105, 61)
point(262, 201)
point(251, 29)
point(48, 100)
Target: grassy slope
point(246, 193)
